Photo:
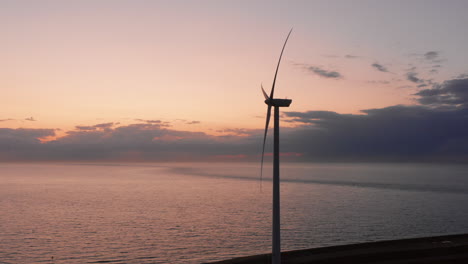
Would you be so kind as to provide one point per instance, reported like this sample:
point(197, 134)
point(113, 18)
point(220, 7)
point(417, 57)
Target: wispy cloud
point(188, 122)
point(412, 76)
point(149, 121)
point(349, 56)
point(324, 73)
point(379, 82)
point(103, 126)
point(238, 131)
point(319, 70)
point(435, 69)
point(379, 67)
point(30, 119)
point(195, 122)
point(431, 55)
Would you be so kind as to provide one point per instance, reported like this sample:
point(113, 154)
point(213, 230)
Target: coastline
point(438, 249)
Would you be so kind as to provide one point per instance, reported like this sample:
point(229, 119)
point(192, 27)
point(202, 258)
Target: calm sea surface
point(192, 213)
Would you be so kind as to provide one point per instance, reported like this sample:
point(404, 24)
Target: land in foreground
point(430, 250)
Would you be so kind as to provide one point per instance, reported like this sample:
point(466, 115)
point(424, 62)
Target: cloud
point(23, 144)
point(412, 77)
point(30, 119)
point(193, 122)
point(431, 55)
point(428, 57)
point(379, 82)
point(379, 67)
point(347, 56)
point(148, 121)
point(311, 116)
point(324, 73)
point(85, 128)
point(435, 130)
point(10, 136)
point(7, 119)
point(104, 126)
point(319, 71)
point(405, 87)
point(238, 131)
point(188, 122)
point(109, 142)
point(451, 93)
point(397, 133)
point(430, 62)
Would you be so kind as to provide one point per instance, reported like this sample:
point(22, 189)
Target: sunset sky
point(176, 80)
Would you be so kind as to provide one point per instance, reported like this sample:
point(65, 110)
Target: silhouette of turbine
point(277, 103)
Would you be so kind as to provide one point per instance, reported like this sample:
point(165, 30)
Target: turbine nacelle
point(278, 102)
point(275, 102)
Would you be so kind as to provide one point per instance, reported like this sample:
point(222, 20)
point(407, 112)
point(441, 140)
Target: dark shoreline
point(440, 249)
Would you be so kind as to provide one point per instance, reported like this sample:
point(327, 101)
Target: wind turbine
point(276, 103)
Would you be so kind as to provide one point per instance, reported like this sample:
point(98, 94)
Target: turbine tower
point(276, 103)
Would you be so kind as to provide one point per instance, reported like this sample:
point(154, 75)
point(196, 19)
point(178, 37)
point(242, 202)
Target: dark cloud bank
point(110, 142)
point(435, 130)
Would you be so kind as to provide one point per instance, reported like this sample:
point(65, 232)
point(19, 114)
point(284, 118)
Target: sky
point(180, 80)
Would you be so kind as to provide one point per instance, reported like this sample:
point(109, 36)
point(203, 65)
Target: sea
point(200, 212)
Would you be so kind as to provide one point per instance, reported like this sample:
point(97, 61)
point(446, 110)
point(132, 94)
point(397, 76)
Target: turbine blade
point(277, 67)
point(264, 93)
point(264, 139)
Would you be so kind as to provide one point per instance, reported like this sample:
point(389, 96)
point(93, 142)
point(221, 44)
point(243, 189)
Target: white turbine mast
point(276, 103)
